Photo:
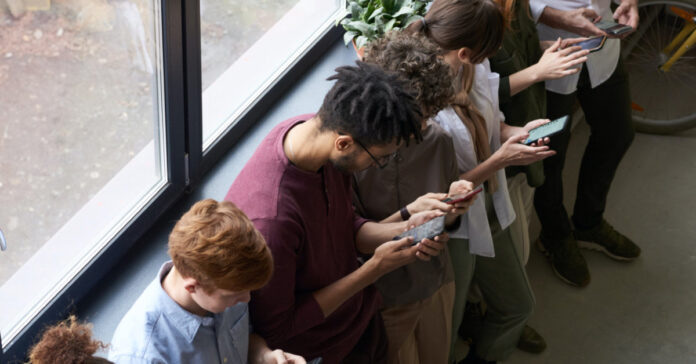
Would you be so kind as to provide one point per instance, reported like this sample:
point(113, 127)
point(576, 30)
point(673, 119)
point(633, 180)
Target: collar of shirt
point(187, 323)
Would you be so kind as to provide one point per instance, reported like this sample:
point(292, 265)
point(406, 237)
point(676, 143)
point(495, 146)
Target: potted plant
point(371, 19)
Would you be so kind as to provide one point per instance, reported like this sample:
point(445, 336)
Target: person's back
point(294, 208)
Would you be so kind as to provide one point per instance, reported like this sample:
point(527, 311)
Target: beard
point(346, 164)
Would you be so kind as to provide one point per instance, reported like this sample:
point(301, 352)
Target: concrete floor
point(638, 312)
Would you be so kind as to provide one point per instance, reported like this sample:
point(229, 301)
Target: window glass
point(246, 45)
point(81, 146)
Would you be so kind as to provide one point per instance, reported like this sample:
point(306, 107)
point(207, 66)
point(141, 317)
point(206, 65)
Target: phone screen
point(547, 129)
point(593, 44)
point(428, 230)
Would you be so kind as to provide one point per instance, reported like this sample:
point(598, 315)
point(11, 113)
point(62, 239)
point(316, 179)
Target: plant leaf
point(406, 10)
point(361, 41)
point(389, 25)
point(348, 37)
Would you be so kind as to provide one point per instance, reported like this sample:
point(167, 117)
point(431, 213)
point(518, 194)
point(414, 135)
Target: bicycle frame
point(687, 33)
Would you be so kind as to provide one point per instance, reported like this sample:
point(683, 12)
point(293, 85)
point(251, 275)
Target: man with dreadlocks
point(296, 188)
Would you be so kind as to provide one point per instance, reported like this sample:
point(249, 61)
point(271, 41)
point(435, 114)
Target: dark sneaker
point(530, 341)
point(566, 260)
point(472, 323)
point(472, 358)
point(609, 241)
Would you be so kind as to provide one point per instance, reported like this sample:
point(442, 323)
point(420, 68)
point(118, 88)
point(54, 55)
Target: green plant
point(371, 19)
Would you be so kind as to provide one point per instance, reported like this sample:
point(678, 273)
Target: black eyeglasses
point(381, 162)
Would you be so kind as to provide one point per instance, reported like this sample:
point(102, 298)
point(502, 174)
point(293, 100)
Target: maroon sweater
point(310, 226)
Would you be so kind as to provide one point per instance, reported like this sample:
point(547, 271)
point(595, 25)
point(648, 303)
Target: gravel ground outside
point(78, 101)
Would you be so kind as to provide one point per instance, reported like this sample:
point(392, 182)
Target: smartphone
point(463, 197)
point(428, 230)
point(547, 129)
point(613, 28)
point(315, 361)
point(3, 243)
point(593, 44)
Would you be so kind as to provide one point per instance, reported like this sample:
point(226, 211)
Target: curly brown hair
point(69, 342)
point(417, 60)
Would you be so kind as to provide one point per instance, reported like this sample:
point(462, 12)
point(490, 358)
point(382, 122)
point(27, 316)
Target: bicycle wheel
point(663, 102)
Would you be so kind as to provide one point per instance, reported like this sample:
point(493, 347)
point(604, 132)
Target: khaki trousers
point(419, 333)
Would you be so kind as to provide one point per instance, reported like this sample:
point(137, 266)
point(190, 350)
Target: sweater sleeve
point(278, 311)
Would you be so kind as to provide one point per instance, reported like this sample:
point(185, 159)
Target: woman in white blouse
point(469, 32)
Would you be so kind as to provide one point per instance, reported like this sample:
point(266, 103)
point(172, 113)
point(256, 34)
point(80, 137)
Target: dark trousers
point(372, 346)
point(607, 109)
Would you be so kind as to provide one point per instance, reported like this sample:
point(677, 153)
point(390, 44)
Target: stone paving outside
point(78, 101)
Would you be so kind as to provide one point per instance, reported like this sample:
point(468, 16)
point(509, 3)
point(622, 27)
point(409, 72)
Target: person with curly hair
point(195, 311)
point(417, 298)
point(68, 342)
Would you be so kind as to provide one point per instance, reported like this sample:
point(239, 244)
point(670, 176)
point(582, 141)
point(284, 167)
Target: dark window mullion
point(175, 138)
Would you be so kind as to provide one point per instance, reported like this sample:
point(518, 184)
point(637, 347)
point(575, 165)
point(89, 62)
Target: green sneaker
point(609, 241)
point(566, 260)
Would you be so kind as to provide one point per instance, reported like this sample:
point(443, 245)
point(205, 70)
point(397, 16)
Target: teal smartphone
point(547, 130)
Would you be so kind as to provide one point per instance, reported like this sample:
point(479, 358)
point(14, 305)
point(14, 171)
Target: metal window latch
point(3, 242)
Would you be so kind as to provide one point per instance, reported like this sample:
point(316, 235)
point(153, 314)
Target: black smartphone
point(546, 130)
point(613, 28)
point(427, 230)
point(315, 361)
point(593, 44)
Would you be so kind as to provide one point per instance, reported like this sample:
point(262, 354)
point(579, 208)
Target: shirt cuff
point(536, 8)
point(504, 90)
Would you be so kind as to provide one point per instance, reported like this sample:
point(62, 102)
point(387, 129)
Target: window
point(81, 141)
point(100, 128)
point(246, 46)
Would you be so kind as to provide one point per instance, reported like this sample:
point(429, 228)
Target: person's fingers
point(279, 357)
point(579, 54)
point(436, 196)
point(590, 14)
point(425, 249)
point(402, 243)
point(295, 359)
point(517, 138)
point(442, 206)
point(422, 256)
point(443, 238)
point(571, 41)
point(555, 46)
point(566, 51)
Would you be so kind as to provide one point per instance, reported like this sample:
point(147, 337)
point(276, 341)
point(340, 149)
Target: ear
point(343, 143)
point(464, 55)
point(190, 284)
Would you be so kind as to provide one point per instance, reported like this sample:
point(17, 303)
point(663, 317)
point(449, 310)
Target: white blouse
point(484, 94)
point(600, 64)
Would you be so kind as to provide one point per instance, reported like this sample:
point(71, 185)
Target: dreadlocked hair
point(373, 106)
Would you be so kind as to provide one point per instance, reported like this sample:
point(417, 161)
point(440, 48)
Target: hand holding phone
point(463, 197)
point(428, 230)
point(593, 44)
point(613, 28)
point(547, 130)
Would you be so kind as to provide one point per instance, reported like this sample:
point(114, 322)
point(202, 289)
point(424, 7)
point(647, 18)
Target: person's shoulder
point(134, 333)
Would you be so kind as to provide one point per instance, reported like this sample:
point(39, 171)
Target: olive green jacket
point(520, 49)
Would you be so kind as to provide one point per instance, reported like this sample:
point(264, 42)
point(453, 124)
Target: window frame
point(182, 94)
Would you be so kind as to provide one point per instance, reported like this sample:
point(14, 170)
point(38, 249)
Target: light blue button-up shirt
point(157, 330)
